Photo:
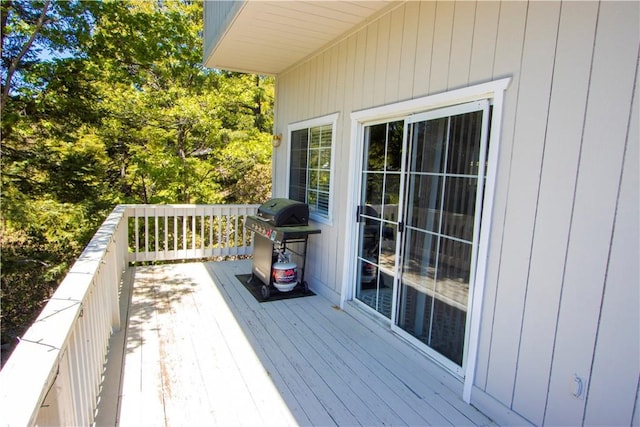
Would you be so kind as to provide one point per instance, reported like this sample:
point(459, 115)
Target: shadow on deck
point(199, 349)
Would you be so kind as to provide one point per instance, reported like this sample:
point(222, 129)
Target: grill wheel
point(265, 292)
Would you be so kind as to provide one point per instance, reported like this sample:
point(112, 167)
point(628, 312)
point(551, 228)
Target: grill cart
point(280, 227)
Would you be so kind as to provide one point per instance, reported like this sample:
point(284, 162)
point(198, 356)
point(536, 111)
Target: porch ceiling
point(267, 37)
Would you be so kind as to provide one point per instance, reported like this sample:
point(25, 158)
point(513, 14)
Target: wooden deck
point(200, 350)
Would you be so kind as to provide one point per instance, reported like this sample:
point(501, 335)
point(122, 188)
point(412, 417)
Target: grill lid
point(284, 212)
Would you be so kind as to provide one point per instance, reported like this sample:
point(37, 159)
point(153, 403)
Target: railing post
point(119, 254)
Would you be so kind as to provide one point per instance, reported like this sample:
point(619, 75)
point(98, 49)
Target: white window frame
point(328, 120)
point(492, 91)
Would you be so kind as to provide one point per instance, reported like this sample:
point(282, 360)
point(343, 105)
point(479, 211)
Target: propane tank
point(284, 273)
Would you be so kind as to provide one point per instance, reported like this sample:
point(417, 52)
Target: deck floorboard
point(200, 350)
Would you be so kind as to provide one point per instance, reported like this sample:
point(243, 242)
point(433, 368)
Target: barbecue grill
point(280, 227)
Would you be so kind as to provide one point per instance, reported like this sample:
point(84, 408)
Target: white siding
point(521, 198)
point(555, 201)
point(605, 135)
point(616, 345)
point(508, 52)
point(461, 44)
point(424, 46)
point(440, 53)
point(485, 33)
point(562, 277)
point(410, 28)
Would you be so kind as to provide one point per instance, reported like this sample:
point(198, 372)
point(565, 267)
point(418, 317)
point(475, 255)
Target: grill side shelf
point(279, 234)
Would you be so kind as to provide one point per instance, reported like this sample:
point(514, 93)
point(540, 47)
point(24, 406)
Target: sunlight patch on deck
point(188, 360)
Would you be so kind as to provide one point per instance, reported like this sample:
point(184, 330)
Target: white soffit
point(267, 37)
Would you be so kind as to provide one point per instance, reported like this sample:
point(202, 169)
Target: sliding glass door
point(422, 190)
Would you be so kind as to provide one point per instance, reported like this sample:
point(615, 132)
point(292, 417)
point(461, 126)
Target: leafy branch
point(15, 62)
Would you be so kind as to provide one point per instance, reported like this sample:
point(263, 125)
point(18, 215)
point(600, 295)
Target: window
point(311, 165)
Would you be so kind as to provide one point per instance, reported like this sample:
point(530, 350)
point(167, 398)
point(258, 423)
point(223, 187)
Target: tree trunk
point(13, 66)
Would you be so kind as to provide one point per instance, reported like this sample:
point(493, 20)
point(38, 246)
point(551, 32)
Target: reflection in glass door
point(378, 215)
point(418, 223)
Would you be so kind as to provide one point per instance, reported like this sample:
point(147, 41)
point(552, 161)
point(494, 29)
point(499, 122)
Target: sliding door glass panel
point(375, 148)
point(459, 207)
point(378, 215)
point(418, 284)
point(428, 146)
point(393, 161)
point(424, 197)
point(441, 197)
point(450, 302)
point(390, 196)
point(464, 148)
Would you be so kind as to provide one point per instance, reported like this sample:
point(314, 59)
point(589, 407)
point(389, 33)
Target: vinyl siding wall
point(562, 288)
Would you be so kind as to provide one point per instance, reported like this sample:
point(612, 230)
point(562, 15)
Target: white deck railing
point(172, 232)
point(54, 375)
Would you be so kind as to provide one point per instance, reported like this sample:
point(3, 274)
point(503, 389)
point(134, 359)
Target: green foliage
point(104, 103)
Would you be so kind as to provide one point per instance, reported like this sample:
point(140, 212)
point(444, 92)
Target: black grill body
point(281, 225)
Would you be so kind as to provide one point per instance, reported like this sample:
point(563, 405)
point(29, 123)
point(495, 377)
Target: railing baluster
point(74, 369)
point(78, 371)
point(229, 231)
point(220, 245)
point(146, 232)
point(89, 315)
point(194, 232)
point(65, 397)
point(244, 231)
point(235, 234)
point(212, 246)
point(202, 242)
point(156, 246)
point(94, 315)
point(175, 233)
point(135, 226)
point(185, 245)
point(162, 245)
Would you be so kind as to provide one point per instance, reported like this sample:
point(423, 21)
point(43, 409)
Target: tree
point(108, 102)
point(33, 28)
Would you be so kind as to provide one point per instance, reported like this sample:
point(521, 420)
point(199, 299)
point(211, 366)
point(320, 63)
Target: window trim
point(328, 120)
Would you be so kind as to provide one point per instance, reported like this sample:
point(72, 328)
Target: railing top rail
point(31, 370)
point(190, 206)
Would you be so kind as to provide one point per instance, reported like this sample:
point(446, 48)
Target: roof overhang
point(267, 37)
